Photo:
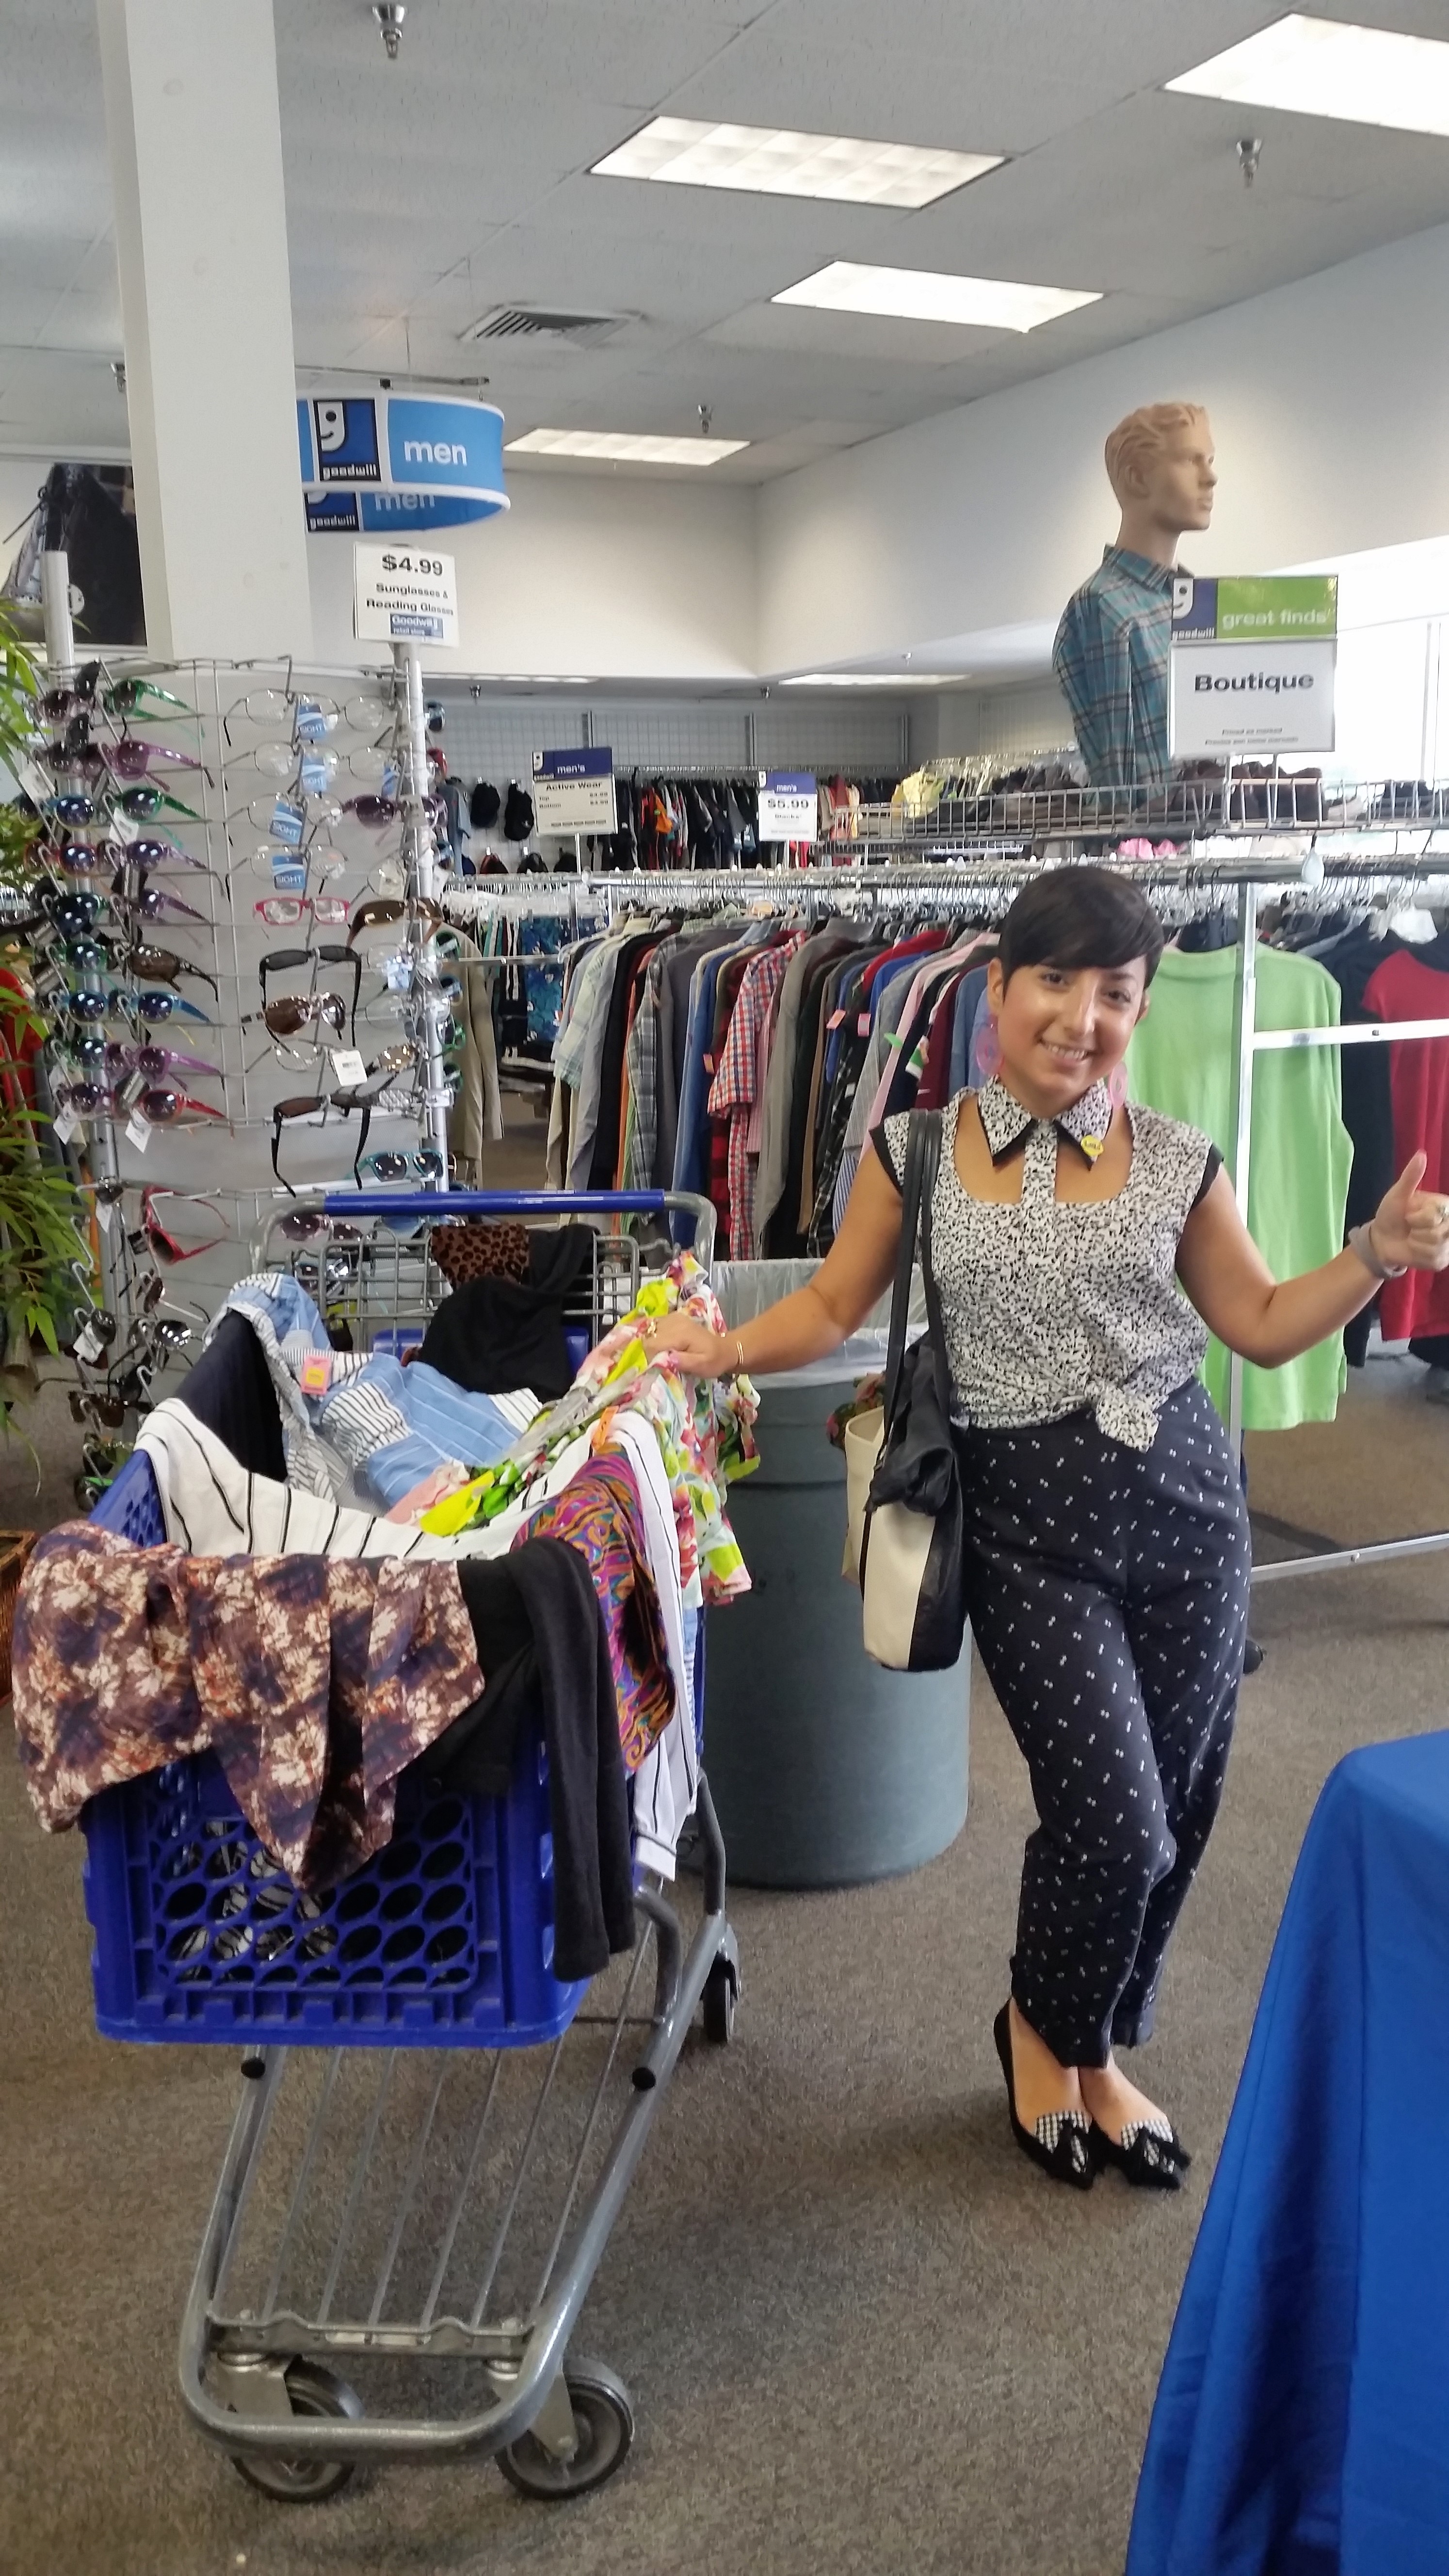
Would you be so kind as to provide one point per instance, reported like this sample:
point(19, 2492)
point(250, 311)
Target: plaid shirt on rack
point(641, 1059)
point(732, 1094)
point(1111, 655)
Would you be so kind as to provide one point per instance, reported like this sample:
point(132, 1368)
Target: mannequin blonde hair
point(1137, 439)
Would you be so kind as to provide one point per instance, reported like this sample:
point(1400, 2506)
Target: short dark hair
point(1080, 917)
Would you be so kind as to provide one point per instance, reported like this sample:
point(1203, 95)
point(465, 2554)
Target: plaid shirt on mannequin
point(1111, 655)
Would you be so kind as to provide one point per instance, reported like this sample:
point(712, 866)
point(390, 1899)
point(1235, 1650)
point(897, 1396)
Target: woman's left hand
point(1411, 1226)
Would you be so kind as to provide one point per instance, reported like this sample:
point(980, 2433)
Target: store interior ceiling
point(430, 192)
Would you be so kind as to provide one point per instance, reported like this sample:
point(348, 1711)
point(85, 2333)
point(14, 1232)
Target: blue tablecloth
point(1302, 2421)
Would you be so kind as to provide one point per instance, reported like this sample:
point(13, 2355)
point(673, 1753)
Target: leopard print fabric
point(464, 1252)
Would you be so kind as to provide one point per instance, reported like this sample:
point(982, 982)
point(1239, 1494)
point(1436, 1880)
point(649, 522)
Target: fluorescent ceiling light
point(875, 680)
point(926, 295)
point(1317, 67)
point(615, 446)
point(775, 163)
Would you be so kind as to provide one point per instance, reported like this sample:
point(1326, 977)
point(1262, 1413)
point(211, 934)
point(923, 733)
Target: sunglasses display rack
point(232, 925)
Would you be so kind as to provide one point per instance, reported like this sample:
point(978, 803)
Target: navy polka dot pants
point(1108, 1595)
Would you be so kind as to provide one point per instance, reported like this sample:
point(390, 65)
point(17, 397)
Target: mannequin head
point(1068, 983)
point(1160, 465)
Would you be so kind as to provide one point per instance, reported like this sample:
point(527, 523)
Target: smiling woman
point(1082, 1245)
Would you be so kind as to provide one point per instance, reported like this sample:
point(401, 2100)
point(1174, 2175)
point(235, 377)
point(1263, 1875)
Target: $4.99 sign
point(402, 595)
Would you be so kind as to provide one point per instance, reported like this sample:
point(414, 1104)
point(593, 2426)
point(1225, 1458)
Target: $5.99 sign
point(403, 595)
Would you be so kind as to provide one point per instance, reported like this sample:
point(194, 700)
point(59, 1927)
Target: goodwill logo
point(1252, 669)
point(399, 463)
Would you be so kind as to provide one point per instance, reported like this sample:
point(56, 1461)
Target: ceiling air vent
point(539, 322)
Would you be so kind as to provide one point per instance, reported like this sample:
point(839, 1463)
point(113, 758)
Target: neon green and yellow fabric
point(1182, 1061)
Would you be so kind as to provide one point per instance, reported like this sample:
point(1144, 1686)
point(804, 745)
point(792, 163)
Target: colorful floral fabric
point(598, 1514)
point(705, 1429)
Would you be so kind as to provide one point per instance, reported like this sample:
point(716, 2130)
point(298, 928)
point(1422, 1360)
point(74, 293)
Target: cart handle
point(502, 1203)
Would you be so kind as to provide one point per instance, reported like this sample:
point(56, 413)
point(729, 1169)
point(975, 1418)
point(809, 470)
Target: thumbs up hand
point(1411, 1229)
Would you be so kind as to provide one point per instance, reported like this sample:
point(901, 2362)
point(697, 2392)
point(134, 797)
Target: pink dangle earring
point(986, 1051)
point(1117, 1085)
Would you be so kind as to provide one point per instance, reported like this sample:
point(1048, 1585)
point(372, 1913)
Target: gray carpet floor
point(861, 2334)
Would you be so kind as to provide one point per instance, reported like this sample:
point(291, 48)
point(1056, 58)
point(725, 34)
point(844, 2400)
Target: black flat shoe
point(1151, 2159)
point(1061, 2141)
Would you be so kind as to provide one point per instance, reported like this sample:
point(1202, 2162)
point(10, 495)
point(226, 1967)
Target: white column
point(196, 165)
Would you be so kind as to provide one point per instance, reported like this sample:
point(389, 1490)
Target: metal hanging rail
point(1259, 863)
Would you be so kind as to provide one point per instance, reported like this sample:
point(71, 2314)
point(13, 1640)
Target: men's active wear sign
point(397, 464)
point(1253, 665)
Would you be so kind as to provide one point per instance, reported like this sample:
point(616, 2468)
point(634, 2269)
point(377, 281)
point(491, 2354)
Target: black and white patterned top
point(1052, 1305)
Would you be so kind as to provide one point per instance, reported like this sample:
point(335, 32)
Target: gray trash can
point(826, 1770)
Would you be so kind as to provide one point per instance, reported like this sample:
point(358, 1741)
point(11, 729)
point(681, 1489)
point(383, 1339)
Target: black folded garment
point(230, 1392)
point(541, 1642)
point(493, 1335)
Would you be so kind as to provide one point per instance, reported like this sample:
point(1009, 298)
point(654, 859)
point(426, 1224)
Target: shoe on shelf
point(1149, 2152)
point(1060, 2141)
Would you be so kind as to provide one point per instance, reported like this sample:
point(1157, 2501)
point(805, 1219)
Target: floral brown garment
point(315, 1680)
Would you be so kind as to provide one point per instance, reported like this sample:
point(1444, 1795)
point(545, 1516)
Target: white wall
point(1328, 400)
point(587, 576)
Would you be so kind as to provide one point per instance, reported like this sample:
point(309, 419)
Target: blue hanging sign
point(390, 464)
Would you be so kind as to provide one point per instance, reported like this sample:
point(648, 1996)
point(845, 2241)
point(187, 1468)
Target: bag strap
point(934, 1323)
point(923, 1155)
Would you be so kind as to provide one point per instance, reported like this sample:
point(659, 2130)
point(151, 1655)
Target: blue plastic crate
point(443, 1940)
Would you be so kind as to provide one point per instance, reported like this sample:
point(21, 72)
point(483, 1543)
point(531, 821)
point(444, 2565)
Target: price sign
point(403, 594)
point(348, 1066)
point(789, 807)
point(573, 791)
point(1252, 667)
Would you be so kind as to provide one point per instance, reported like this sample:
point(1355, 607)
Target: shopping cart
point(434, 2136)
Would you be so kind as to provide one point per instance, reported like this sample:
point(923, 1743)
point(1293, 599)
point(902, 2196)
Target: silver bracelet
point(1361, 1241)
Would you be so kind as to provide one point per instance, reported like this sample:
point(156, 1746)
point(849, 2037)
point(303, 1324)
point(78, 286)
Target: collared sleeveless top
point(1052, 1306)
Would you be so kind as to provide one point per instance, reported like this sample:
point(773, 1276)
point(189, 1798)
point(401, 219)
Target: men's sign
point(573, 791)
point(399, 464)
point(1252, 667)
point(789, 806)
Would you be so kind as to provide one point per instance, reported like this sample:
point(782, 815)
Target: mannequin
point(1111, 647)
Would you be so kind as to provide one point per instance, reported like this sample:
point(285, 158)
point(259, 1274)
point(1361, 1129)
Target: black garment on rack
point(1367, 1100)
point(231, 1394)
point(540, 1637)
point(493, 1335)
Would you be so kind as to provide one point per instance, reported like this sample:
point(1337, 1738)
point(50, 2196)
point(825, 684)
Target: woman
point(1081, 1245)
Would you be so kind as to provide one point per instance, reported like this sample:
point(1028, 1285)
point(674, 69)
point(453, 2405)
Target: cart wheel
point(313, 2391)
point(719, 2004)
point(604, 2424)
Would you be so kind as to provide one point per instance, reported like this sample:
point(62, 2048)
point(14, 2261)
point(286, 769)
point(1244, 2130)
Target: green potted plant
point(42, 1214)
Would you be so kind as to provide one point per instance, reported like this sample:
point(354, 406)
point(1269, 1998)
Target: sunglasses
point(291, 961)
point(344, 1101)
point(119, 698)
point(282, 909)
point(373, 810)
point(154, 1061)
point(91, 1004)
point(140, 804)
point(380, 912)
point(73, 911)
point(165, 965)
point(159, 1107)
point(307, 1224)
point(295, 1012)
point(162, 1242)
point(128, 757)
point(155, 857)
point(425, 1165)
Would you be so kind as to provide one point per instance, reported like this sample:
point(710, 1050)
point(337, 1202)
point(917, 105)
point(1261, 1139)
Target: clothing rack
point(1361, 862)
